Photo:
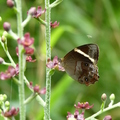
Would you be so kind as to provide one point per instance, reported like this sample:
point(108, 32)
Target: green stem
point(8, 54)
point(25, 22)
point(30, 98)
point(13, 35)
point(35, 95)
point(21, 62)
point(7, 64)
point(104, 110)
point(40, 101)
point(42, 21)
point(10, 58)
point(16, 81)
point(38, 98)
point(48, 55)
point(54, 4)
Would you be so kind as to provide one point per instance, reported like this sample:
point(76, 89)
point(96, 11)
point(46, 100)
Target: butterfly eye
point(86, 64)
point(86, 79)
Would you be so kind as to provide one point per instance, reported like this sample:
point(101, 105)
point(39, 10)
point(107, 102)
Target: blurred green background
point(81, 22)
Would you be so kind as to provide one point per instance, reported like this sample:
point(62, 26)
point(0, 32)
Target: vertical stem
point(21, 61)
point(48, 55)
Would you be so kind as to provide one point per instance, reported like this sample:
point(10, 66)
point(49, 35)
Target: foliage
point(81, 22)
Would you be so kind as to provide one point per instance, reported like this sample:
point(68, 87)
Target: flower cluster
point(36, 13)
point(10, 113)
point(76, 115)
point(55, 64)
point(26, 42)
point(36, 88)
point(83, 106)
point(29, 59)
point(5, 110)
point(11, 72)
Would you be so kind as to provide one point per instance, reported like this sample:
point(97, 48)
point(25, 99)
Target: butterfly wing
point(92, 50)
point(80, 63)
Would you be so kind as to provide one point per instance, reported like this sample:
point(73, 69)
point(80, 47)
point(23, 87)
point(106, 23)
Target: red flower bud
point(36, 88)
point(54, 25)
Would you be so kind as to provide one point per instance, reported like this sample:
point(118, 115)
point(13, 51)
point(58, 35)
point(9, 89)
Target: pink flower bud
point(10, 3)
point(6, 26)
point(32, 11)
point(1, 60)
point(108, 117)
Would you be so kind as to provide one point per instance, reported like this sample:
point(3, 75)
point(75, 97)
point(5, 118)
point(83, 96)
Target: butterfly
point(81, 63)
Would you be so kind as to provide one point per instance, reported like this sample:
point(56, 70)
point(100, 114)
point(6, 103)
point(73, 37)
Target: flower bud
point(3, 39)
point(1, 98)
point(112, 97)
point(104, 97)
point(10, 3)
point(32, 11)
point(36, 88)
point(108, 117)
point(1, 60)
point(4, 96)
point(6, 26)
point(7, 104)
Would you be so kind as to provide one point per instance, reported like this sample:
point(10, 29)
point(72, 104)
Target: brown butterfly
point(81, 63)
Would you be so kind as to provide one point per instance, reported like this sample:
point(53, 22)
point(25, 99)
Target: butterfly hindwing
point(80, 63)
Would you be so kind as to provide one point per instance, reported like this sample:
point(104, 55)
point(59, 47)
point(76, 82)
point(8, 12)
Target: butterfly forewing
point(90, 49)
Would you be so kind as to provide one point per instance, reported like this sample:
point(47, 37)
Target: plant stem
point(30, 98)
point(38, 98)
point(26, 21)
point(48, 55)
point(55, 3)
point(21, 62)
point(104, 110)
point(13, 35)
point(10, 58)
